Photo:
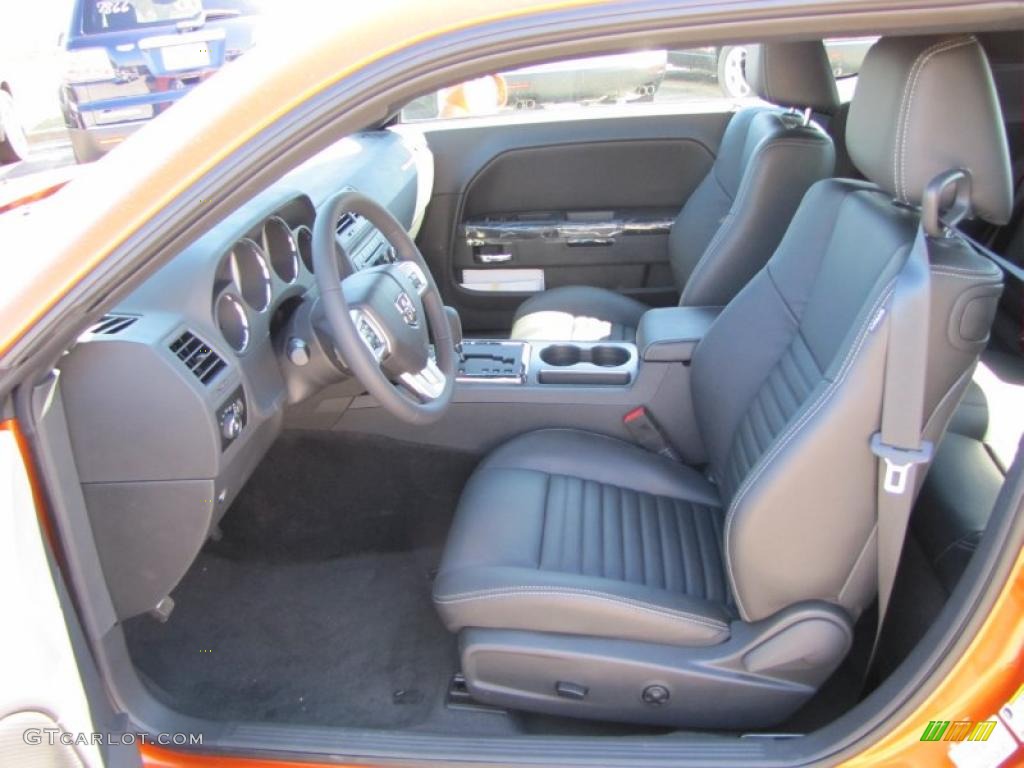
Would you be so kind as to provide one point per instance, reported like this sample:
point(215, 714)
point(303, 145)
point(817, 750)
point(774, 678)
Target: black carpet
point(352, 642)
point(315, 605)
point(323, 495)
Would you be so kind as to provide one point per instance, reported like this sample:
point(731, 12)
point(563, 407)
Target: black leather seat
point(969, 467)
point(561, 522)
point(590, 578)
point(735, 218)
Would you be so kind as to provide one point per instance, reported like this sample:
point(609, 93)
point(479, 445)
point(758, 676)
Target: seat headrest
point(924, 105)
point(793, 75)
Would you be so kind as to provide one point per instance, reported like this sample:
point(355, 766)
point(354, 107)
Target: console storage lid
point(670, 334)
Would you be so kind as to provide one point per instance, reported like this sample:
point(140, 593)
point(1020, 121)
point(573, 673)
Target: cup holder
point(605, 364)
point(603, 356)
point(609, 357)
point(561, 355)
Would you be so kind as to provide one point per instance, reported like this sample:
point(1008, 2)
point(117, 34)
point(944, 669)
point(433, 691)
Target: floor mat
point(352, 641)
point(324, 495)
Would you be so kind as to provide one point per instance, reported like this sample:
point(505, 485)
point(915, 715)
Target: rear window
point(115, 15)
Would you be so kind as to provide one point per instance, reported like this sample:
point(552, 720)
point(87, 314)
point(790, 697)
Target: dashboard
point(176, 394)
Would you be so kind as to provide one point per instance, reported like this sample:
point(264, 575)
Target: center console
point(505, 387)
point(576, 363)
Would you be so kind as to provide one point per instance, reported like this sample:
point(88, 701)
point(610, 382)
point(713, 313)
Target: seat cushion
point(578, 313)
point(572, 532)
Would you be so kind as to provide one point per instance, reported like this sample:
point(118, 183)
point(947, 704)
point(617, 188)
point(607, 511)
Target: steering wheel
point(380, 317)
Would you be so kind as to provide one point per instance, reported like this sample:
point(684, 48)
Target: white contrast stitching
point(742, 192)
point(981, 277)
point(791, 432)
point(541, 591)
point(901, 120)
point(908, 100)
point(963, 270)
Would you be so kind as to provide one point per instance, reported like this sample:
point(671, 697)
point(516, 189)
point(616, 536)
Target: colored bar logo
point(961, 730)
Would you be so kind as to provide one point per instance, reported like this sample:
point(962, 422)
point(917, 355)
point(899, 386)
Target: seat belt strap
point(898, 444)
point(1004, 264)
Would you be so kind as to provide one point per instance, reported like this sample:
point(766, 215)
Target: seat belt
point(1003, 263)
point(898, 444)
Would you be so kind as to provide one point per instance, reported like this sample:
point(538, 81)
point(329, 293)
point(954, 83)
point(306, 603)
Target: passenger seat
point(768, 158)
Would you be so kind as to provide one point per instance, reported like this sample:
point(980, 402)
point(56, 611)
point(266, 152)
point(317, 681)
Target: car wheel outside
point(14, 145)
point(731, 77)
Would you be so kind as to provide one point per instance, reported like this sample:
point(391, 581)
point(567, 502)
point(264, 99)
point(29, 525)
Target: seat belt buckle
point(898, 462)
point(646, 432)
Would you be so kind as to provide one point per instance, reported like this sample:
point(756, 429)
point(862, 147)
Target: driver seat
point(589, 577)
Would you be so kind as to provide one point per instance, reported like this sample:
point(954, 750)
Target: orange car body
point(135, 184)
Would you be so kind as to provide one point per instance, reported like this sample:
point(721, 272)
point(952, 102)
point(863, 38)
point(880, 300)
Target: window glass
point(642, 77)
point(703, 74)
point(107, 15)
point(847, 54)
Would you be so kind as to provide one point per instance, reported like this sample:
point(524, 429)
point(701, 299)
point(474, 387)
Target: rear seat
point(970, 464)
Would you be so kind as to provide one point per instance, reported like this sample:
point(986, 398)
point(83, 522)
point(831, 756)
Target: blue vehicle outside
point(126, 61)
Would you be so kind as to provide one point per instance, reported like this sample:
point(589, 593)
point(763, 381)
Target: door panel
point(587, 201)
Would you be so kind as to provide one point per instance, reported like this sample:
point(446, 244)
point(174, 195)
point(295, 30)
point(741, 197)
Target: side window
point(700, 76)
point(599, 82)
point(846, 54)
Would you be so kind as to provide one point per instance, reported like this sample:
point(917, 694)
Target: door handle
point(577, 242)
point(494, 258)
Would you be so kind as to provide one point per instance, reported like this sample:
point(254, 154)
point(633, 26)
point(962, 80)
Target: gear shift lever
point(455, 323)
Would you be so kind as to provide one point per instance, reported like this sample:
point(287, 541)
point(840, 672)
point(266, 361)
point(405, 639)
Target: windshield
point(110, 15)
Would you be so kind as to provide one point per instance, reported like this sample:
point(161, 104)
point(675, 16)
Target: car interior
point(566, 423)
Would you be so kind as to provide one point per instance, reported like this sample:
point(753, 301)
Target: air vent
point(197, 356)
point(111, 324)
point(345, 222)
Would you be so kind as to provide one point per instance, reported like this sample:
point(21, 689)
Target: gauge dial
point(233, 322)
point(304, 240)
point(281, 248)
point(250, 274)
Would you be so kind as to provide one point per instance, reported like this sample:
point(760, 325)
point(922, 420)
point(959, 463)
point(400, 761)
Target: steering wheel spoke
point(372, 334)
point(415, 275)
point(427, 384)
point(382, 319)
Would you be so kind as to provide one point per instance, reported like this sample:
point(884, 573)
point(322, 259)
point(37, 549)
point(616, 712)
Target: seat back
point(767, 160)
point(788, 383)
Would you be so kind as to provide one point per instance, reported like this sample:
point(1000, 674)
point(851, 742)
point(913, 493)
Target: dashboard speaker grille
point(111, 324)
point(197, 356)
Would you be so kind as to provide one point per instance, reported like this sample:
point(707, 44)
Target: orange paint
point(158, 757)
point(982, 680)
point(985, 678)
point(42, 194)
point(38, 495)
